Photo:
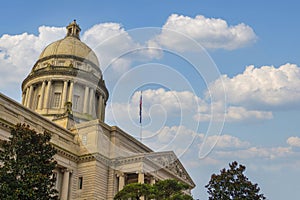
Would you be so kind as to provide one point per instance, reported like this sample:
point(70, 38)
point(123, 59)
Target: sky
point(219, 79)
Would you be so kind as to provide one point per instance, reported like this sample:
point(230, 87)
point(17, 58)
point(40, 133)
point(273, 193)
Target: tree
point(233, 184)
point(133, 191)
point(26, 169)
point(168, 189)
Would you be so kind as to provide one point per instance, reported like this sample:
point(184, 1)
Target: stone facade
point(65, 94)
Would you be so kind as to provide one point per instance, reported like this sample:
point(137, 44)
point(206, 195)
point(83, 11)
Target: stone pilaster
point(47, 96)
point(29, 100)
point(65, 185)
point(71, 91)
point(26, 97)
point(64, 94)
point(41, 100)
point(91, 101)
point(121, 181)
point(85, 100)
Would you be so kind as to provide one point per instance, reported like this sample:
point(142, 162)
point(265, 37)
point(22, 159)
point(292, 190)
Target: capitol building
point(65, 94)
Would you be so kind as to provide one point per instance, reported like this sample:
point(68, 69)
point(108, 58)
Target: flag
point(141, 105)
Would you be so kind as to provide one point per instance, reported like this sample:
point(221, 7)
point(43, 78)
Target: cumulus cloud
point(23, 50)
point(227, 141)
point(169, 106)
point(116, 48)
point(211, 33)
point(184, 140)
point(293, 141)
point(175, 138)
point(166, 106)
point(181, 139)
point(257, 153)
point(18, 53)
point(101, 37)
point(234, 114)
point(262, 88)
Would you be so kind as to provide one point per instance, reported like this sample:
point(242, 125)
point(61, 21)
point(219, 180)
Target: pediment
point(156, 161)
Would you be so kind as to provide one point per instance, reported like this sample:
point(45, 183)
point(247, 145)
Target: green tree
point(162, 190)
point(232, 184)
point(133, 191)
point(170, 189)
point(26, 169)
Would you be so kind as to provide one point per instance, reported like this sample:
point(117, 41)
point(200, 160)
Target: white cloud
point(102, 37)
point(169, 105)
point(226, 141)
point(114, 46)
point(172, 100)
point(23, 50)
point(257, 153)
point(240, 113)
point(18, 53)
point(209, 32)
point(176, 138)
point(166, 106)
point(293, 141)
point(234, 114)
point(261, 88)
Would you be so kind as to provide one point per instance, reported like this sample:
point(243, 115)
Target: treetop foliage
point(168, 189)
point(27, 164)
point(232, 184)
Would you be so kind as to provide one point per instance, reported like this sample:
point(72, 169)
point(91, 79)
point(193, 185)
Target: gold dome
point(70, 46)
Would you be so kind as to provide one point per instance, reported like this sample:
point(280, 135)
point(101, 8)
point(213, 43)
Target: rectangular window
point(75, 102)
point(80, 182)
point(56, 100)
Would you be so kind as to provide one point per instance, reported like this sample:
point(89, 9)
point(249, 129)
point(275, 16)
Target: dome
point(66, 79)
point(70, 46)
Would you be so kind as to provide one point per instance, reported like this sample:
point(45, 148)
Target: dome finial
point(73, 29)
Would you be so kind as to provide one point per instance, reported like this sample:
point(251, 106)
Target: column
point(121, 181)
point(91, 100)
point(103, 110)
point(85, 100)
point(70, 91)
point(152, 181)
point(23, 97)
point(41, 101)
point(65, 185)
point(64, 94)
point(26, 97)
point(141, 179)
point(29, 96)
point(47, 96)
point(100, 102)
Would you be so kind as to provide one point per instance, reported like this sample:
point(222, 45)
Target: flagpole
point(141, 111)
point(141, 132)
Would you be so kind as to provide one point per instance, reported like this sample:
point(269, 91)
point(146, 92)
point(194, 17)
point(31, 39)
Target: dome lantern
point(73, 29)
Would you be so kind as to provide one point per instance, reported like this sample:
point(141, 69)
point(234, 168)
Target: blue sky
point(261, 128)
